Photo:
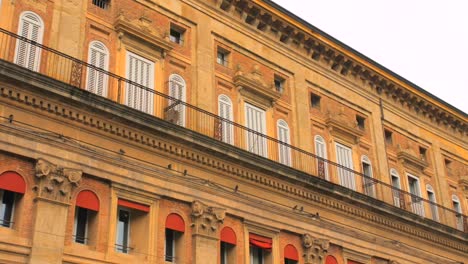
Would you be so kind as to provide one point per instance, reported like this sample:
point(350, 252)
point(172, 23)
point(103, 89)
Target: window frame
point(397, 198)
point(29, 47)
point(94, 45)
point(129, 87)
point(346, 177)
point(124, 247)
point(417, 206)
point(227, 129)
point(3, 211)
point(180, 95)
point(368, 183)
point(224, 61)
point(319, 140)
point(284, 151)
point(432, 203)
point(457, 207)
point(262, 148)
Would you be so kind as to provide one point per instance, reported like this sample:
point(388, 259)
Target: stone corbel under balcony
point(140, 35)
point(253, 87)
point(341, 127)
point(409, 159)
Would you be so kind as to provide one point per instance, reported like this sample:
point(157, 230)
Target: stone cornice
point(343, 61)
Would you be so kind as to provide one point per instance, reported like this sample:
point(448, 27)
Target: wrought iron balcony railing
point(64, 68)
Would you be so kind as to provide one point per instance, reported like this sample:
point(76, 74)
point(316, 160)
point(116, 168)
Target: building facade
point(216, 131)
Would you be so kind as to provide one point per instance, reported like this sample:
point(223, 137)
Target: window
point(459, 214)
point(255, 121)
point(176, 34)
point(228, 245)
point(416, 201)
point(12, 186)
point(31, 27)
point(131, 221)
point(398, 199)
point(315, 100)
point(283, 146)
point(222, 56)
point(87, 206)
point(279, 84)
point(140, 71)
point(104, 4)
point(345, 159)
point(422, 153)
point(368, 182)
point(175, 228)
point(176, 108)
point(388, 137)
point(290, 255)
point(225, 130)
point(432, 203)
point(260, 249)
point(361, 122)
point(96, 81)
point(321, 152)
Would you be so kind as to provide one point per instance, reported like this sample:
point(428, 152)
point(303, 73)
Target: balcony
point(71, 71)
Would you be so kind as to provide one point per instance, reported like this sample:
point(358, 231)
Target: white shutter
point(28, 55)
point(140, 71)
point(284, 152)
point(255, 120)
point(321, 151)
point(177, 89)
point(225, 111)
point(344, 158)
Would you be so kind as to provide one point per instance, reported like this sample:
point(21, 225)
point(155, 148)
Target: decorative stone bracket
point(253, 86)
point(315, 249)
point(206, 219)
point(54, 182)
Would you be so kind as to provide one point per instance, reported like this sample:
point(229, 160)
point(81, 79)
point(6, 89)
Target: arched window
point(225, 130)
point(98, 56)
point(432, 202)
point(284, 151)
point(228, 245)
point(175, 228)
point(459, 212)
point(12, 187)
point(398, 199)
point(368, 182)
point(87, 206)
point(321, 152)
point(31, 27)
point(176, 108)
point(290, 254)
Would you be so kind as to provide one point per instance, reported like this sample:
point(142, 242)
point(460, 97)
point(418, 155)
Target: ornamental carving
point(253, 86)
point(206, 219)
point(315, 249)
point(343, 126)
point(55, 182)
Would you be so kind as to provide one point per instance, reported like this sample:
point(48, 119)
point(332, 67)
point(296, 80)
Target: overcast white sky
point(424, 41)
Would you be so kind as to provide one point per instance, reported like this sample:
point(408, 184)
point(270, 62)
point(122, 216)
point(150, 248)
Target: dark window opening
point(315, 100)
point(388, 137)
point(279, 84)
point(6, 207)
point(422, 153)
point(256, 255)
point(360, 122)
point(222, 56)
point(176, 34)
point(289, 261)
point(227, 253)
point(81, 225)
point(104, 4)
point(123, 230)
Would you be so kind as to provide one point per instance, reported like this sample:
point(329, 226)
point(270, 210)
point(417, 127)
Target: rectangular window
point(345, 159)
point(103, 4)
point(81, 225)
point(396, 193)
point(256, 255)
point(368, 182)
point(422, 153)
point(255, 121)
point(415, 190)
point(458, 215)
point(279, 84)
point(315, 101)
point(388, 137)
point(289, 261)
point(172, 245)
point(222, 56)
point(361, 122)
point(176, 34)
point(140, 71)
point(433, 205)
point(7, 206)
point(123, 231)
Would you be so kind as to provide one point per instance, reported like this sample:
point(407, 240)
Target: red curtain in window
point(133, 205)
point(260, 241)
point(228, 236)
point(88, 199)
point(175, 222)
point(290, 252)
point(12, 181)
point(331, 260)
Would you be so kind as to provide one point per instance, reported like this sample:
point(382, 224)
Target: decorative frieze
point(315, 249)
point(206, 219)
point(54, 182)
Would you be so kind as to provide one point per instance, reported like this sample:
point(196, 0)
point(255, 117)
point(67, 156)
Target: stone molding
point(206, 219)
point(315, 249)
point(317, 48)
point(409, 159)
point(341, 127)
point(111, 128)
point(54, 182)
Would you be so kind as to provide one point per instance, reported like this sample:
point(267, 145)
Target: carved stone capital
point(315, 249)
point(54, 182)
point(206, 219)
